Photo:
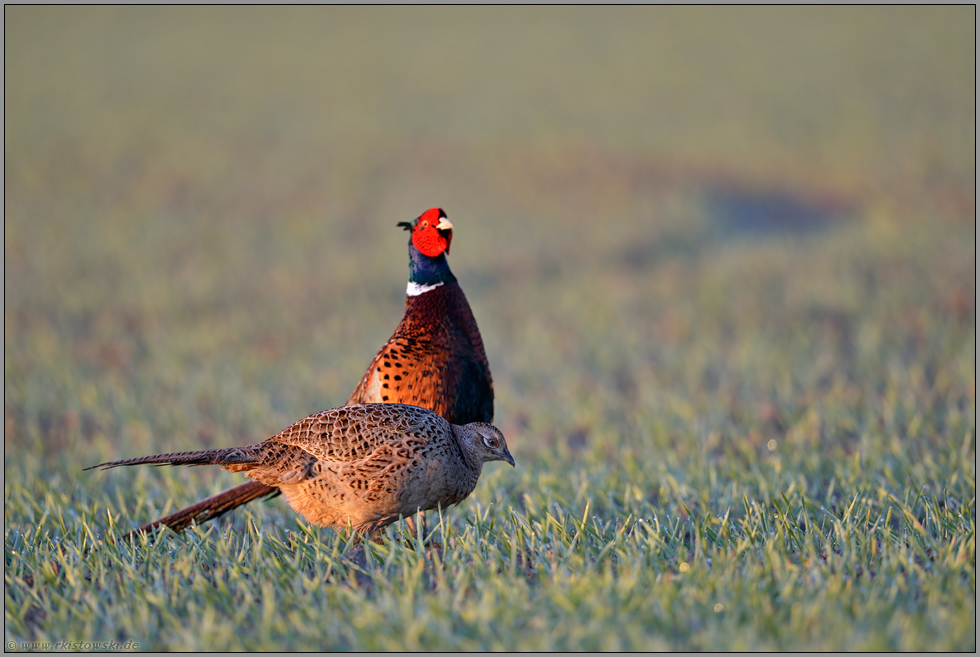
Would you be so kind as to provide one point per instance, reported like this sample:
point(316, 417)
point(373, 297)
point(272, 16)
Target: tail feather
point(210, 508)
point(236, 455)
point(232, 458)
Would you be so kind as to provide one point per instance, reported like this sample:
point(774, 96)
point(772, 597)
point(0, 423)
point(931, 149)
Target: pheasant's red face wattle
point(433, 233)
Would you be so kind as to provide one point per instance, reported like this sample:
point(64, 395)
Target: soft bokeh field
point(723, 261)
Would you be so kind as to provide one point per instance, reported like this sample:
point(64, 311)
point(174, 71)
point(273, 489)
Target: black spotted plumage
point(435, 359)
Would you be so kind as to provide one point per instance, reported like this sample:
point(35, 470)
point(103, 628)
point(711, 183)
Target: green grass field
point(724, 265)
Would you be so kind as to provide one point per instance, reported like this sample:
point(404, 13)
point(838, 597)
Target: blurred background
point(690, 231)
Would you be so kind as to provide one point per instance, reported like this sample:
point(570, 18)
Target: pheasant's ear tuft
point(407, 225)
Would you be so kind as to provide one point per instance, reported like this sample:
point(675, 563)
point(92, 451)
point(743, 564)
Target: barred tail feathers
point(229, 456)
point(210, 508)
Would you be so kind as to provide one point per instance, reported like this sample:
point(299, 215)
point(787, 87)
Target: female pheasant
point(435, 359)
point(363, 466)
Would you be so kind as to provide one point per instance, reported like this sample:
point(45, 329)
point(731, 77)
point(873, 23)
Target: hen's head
point(432, 232)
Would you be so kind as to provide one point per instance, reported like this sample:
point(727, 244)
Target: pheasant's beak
point(509, 458)
point(445, 228)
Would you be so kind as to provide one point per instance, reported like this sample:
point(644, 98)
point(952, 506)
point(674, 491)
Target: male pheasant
point(363, 466)
point(435, 359)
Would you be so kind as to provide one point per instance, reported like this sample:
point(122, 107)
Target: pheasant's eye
point(490, 442)
point(425, 224)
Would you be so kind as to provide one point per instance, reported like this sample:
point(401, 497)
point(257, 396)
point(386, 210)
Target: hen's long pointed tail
point(201, 457)
point(211, 507)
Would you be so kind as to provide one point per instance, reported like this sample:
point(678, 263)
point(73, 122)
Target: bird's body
point(435, 359)
point(363, 466)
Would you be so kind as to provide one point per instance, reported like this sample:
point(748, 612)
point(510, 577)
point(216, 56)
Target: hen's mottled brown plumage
point(435, 359)
point(363, 466)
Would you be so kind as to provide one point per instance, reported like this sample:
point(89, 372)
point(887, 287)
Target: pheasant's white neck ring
point(414, 289)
